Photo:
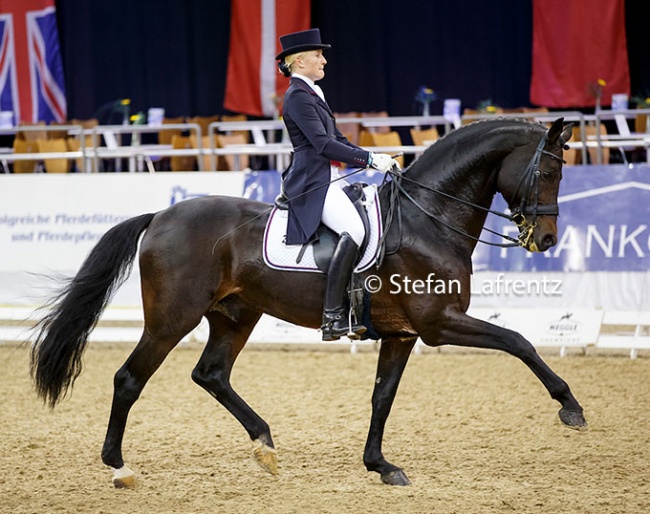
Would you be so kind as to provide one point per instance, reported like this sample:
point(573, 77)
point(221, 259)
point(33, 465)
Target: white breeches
point(340, 214)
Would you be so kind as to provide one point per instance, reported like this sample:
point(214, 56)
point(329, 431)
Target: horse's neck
point(465, 181)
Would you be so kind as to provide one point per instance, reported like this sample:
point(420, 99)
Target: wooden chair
point(56, 134)
point(349, 130)
point(424, 137)
point(471, 112)
point(165, 138)
point(391, 138)
point(54, 145)
point(365, 139)
point(23, 146)
point(205, 143)
point(32, 135)
point(641, 123)
point(377, 114)
point(540, 110)
point(237, 117)
point(468, 112)
point(574, 155)
point(537, 110)
point(89, 123)
point(203, 122)
point(228, 162)
point(74, 145)
point(591, 133)
point(182, 162)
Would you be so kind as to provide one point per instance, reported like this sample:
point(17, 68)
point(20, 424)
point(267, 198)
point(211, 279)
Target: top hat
point(300, 42)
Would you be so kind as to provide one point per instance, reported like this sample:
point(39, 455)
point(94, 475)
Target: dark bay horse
point(203, 258)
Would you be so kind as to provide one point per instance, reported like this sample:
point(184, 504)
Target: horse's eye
point(547, 174)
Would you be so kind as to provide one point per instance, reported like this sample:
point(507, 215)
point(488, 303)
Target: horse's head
point(530, 185)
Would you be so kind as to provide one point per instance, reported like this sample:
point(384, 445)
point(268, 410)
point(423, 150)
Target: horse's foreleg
point(228, 335)
point(393, 356)
point(129, 381)
point(462, 330)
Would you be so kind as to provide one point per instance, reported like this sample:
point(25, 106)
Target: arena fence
point(603, 330)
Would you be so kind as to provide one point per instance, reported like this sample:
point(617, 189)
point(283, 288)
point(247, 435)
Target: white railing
point(270, 139)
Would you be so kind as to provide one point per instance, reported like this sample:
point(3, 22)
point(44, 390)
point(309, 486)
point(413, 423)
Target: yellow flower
point(602, 83)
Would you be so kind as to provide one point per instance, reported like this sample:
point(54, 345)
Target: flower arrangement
point(642, 122)
point(641, 102)
point(425, 95)
point(596, 90)
point(487, 107)
point(138, 119)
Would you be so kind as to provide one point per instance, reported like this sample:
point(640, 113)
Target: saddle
point(324, 241)
point(316, 255)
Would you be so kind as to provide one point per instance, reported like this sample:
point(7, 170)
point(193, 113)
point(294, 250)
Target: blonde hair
point(290, 60)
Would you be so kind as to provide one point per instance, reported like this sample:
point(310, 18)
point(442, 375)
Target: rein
point(518, 216)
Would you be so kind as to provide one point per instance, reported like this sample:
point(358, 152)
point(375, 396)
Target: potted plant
point(641, 123)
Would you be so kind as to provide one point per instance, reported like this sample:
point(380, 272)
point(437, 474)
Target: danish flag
point(31, 72)
point(253, 84)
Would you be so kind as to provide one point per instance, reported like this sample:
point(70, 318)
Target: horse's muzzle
point(539, 236)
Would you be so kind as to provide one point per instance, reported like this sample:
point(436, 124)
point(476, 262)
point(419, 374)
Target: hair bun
point(284, 69)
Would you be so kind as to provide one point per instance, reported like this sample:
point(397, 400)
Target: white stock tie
point(319, 92)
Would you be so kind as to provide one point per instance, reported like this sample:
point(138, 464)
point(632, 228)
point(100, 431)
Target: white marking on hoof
point(123, 477)
point(266, 457)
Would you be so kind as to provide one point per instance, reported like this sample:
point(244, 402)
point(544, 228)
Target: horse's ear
point(559, 133)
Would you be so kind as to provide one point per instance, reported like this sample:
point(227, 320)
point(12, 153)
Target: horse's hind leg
point(463, 330)
point(229, 331)
point(128, 383)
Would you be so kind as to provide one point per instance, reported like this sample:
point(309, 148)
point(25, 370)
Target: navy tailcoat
point(316, 142)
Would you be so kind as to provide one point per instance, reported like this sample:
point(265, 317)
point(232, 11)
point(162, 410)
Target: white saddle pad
point(280, 256)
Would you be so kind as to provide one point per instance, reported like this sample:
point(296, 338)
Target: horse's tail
point(62, 335)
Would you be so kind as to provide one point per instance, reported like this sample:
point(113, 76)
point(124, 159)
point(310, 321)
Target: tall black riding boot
point(335, 316)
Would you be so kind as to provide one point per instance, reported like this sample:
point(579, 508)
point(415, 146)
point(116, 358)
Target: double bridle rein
point(524, 216)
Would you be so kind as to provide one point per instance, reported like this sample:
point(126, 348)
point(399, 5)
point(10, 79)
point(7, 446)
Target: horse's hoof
point(397, 477)
point(573, 419)
point(266, 457)
point(123, 478)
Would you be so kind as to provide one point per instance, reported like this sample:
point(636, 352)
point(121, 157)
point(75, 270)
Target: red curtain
point(576, 45)
point(253, 84)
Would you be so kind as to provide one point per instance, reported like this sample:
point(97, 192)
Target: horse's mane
point(430, 159)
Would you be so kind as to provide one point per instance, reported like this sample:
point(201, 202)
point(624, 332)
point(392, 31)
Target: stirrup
point(354, 330)
point(335, 325)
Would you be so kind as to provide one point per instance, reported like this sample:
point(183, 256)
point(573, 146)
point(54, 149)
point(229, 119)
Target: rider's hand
point(382, 162)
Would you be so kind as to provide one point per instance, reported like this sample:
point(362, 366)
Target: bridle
point(524, 216)
point(531, 178)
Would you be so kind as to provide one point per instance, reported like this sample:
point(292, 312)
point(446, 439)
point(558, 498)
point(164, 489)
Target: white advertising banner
point(547, 327)
point(49, 223)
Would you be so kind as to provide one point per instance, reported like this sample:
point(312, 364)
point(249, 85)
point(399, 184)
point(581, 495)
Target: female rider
point(317, 146)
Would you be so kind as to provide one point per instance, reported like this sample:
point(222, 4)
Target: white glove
point(382, 162)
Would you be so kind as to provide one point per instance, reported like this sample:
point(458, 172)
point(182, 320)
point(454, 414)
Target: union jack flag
point(31, 72)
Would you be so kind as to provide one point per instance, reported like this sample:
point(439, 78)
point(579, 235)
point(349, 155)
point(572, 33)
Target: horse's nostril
point(549, 240)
